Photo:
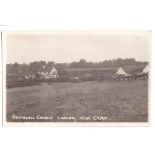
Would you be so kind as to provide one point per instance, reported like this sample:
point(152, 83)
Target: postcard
point(76, 78)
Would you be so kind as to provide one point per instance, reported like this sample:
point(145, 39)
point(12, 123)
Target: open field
point(124, 101)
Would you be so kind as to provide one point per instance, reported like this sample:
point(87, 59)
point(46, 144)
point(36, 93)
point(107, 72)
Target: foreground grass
point(125, 101)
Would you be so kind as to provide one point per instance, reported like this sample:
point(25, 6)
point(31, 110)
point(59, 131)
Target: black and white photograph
point(76, 76)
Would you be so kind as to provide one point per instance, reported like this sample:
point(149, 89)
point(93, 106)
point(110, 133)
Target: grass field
point(124, 101)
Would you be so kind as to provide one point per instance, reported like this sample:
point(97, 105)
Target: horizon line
point(99, 61)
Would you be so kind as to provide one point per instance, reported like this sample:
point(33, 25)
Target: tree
point(82, 63)
point(16, 68)
point(34, 67)
point(49, 65)
point(73, 64)
point(25, 69)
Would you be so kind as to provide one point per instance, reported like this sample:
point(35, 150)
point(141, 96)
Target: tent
point(144, 74)
point(121, 75)
point(146, 69)
point(120, 71)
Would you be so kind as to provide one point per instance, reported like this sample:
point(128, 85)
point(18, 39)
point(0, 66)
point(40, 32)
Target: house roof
point(53, 71)
point(48, 69)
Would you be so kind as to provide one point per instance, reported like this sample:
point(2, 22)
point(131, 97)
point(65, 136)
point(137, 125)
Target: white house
point(52, 74)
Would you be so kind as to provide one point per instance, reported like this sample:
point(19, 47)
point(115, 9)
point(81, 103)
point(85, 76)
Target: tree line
point(39, 66)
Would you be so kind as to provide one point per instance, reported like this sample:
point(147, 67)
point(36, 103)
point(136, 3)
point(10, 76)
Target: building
point(51, 74)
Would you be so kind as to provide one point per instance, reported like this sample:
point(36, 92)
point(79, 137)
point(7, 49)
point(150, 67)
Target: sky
point(69, 46)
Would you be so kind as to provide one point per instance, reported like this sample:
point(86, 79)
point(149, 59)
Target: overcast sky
point(68, 46)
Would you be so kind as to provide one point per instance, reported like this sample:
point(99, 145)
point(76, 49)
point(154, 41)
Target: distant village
point(33, 73)
point(51, 74)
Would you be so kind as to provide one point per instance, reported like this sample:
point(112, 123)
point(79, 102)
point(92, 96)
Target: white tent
point(146, 69)
point(120, 71)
